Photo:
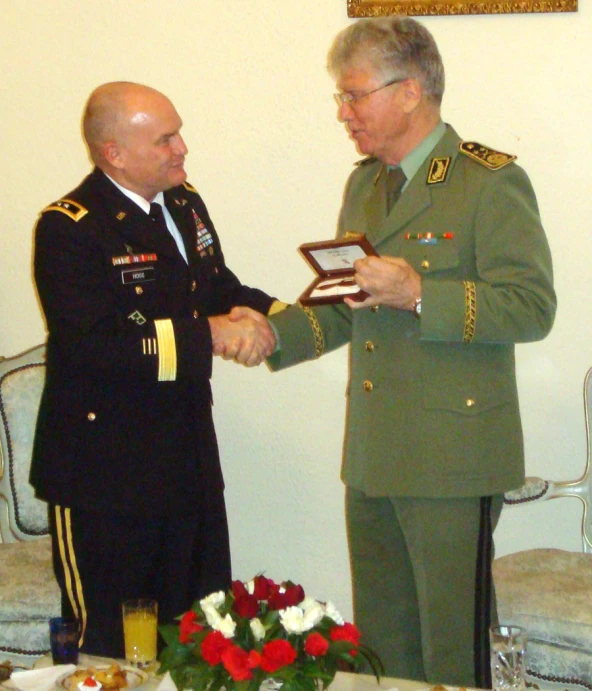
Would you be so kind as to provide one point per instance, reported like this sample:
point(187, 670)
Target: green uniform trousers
point(423, 589)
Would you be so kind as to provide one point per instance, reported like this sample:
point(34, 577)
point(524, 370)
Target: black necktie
point(395, 179)
point(157, 216)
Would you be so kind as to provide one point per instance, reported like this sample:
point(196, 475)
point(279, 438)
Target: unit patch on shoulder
point(73, 209)
point(438, 170)
point(189, 187)
point(490, 158)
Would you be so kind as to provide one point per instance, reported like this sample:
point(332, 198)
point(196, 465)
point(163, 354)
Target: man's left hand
point(389, 281)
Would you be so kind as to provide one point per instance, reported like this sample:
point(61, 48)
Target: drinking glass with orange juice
point(139, 631)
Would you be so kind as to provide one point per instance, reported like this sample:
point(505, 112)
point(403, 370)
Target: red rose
point(239, 589)
point(277, 654)
point(316, 645)
point(246, 606)
point(263, 587)
point(292, 596)
point(347, 632)
point(212, 647)
point(188, 627)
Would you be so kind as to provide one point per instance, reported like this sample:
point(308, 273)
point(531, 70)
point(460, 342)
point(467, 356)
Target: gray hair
point(396, 47)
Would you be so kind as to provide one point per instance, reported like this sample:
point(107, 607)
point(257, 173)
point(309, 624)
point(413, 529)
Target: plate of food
point(103, 678)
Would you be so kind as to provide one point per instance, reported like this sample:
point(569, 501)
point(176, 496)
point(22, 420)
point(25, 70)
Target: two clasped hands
point(245, 335)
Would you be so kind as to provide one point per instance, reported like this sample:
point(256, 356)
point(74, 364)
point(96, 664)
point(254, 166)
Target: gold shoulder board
point(73, 209)
point(189, 187)
point(365, 161)
point(490, 158)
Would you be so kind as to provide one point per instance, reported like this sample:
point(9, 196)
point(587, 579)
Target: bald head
point(133, 135)
point(112, 110)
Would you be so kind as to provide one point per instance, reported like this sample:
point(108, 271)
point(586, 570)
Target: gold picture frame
point(426, 8)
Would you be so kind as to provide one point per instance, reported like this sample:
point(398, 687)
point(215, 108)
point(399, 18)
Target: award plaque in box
point(333, 262)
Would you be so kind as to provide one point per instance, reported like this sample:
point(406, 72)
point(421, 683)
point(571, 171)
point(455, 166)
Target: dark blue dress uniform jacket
point(125, 422)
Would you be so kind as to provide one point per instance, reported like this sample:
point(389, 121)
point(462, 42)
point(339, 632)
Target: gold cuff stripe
point(71, 573)
point(470, 311)
point(167, 350)
point(316, 330)
point(277, 306)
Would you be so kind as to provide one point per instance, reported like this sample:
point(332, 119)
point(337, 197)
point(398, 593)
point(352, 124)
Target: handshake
point(242, 335)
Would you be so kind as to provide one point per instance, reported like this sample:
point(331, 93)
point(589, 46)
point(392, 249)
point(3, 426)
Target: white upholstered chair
point(549, 591)
point(29, 594)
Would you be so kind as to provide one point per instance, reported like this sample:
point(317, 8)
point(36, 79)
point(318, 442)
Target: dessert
point(110, 678)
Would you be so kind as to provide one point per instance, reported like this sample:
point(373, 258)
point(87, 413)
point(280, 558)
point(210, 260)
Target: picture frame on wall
point(382, 8)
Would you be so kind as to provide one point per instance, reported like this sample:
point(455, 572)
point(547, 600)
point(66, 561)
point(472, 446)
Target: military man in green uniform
point(433, 435)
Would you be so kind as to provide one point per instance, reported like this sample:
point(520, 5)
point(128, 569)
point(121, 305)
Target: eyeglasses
point(350, 99)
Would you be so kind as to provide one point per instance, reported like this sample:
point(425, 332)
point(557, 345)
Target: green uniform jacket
point(433, 403)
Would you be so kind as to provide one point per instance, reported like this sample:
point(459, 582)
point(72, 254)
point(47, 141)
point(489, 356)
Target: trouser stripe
point(71, 575)
point(483, 594)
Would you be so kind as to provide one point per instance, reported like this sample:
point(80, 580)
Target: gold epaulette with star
point(73, 209)
point(189, 187)
point(490, 158)
point(365, 161)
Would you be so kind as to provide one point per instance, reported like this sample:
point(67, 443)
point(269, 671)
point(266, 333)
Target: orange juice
point(139, 633)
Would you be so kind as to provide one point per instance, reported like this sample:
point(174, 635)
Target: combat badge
point(438, 170)
point(490, 158)
point(69, 207)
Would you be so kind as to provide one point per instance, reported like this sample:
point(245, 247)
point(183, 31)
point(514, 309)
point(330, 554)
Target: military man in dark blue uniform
point(135, 291)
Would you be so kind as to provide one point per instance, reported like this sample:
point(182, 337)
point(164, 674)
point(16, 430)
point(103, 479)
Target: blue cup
point(64, 635)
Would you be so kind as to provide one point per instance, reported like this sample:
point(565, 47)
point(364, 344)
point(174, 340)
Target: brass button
point(195, 314)
point(139, 290)
point(368, 386)
point(91, 417)
point(375, 308)
point(425, 264)
point(370, 346)
point(193, 286)
point(470, 402)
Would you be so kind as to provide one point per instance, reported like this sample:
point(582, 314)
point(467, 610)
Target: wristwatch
point(417, 307)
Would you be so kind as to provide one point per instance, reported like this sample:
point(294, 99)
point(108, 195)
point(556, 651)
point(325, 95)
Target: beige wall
point(270, 159)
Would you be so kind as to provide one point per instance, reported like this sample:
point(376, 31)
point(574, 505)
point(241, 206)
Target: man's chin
point(177, 176)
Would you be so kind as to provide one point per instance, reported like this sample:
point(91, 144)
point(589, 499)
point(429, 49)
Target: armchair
point(549, 591)
point(29, 594)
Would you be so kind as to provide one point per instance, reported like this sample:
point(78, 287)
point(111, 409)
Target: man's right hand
point(248, 341)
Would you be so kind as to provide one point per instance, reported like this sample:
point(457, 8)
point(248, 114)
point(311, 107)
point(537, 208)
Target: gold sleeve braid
point(167, 350)
point(316, 330)
point(470, 311)
point(277, 306)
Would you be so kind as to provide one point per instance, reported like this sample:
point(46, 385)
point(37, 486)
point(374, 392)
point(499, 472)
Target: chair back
point(22, 516)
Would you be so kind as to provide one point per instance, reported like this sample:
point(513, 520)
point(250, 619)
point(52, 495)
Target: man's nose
point(179, 146)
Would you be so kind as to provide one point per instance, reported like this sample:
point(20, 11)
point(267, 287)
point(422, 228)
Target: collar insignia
point(438, 170)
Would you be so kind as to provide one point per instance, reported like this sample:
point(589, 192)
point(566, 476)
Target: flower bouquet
point(259, 632)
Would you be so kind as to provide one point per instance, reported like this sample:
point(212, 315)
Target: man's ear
point(113, 154)
point(413, 94)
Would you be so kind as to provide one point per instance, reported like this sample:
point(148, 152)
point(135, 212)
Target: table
point(344, 681)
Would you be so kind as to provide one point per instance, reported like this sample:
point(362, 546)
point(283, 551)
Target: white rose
point(332, 613)
point(226, 626)
point(214, 599)
point(211, 613)
point(258, 629)
point(250, 586)
point(307, 602)
point(313, 613)
point(292, 619)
